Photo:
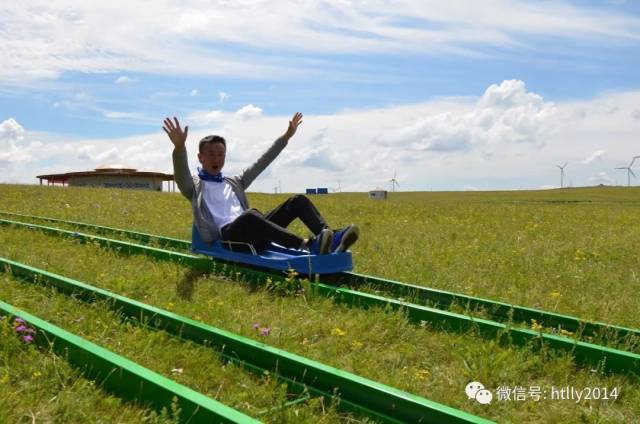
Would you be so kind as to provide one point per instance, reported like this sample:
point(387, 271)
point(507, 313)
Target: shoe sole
point(350, 236)
point(325, 242)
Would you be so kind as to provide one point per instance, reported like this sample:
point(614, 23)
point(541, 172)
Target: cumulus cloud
point(602, 178)
point(506, 113)
point(206, 117)
point(318, 154)
point(11, 131)
point(440, 144)
point(124, 80)
point(16, 149)
point(598, 154)
point(249, 111)
point(222, 96)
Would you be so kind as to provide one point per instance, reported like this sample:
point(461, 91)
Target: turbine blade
point(631, 172)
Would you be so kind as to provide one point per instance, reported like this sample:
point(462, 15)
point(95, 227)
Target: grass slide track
point(382, 403)
point(504, 315)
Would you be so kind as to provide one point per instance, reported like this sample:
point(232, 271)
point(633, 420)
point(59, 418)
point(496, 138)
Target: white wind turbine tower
point(394, 182)
point(562, 174)
point(629, 171)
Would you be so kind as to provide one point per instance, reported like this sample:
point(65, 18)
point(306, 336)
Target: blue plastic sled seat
point(274, 257)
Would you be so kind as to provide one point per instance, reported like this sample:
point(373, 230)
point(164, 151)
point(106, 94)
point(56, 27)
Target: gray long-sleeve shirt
point(191, 186)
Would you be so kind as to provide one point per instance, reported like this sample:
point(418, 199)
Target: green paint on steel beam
point(497, 310)
point(601, 357)
point(607, 359)
point(500, 311)
point(366, 396)
point(200, 263)
point(101, 229)
point(124, 377)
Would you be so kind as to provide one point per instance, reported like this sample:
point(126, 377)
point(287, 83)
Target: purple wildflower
point(256, 326)
point(18, 320)
point(265, 331)
point(21, 328)
point(28, 338)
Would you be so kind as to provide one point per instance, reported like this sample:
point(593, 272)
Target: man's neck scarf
point(205, 176)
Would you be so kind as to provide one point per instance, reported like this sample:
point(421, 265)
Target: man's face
point(212, 157)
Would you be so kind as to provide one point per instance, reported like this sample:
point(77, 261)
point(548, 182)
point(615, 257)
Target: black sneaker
point(344, 238)
point(321, 244)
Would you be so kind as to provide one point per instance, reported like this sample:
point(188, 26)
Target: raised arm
point(181, 172)
point(261, 164)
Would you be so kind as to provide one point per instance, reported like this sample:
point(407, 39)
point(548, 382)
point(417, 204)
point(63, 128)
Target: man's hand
point(293, 125)
point(175, 133)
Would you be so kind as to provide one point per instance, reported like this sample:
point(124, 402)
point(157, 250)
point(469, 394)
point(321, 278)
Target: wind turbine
point(562, 174)
point(629, 171)
point(394, 182)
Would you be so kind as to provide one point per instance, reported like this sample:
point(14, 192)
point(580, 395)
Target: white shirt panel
point(222, 202)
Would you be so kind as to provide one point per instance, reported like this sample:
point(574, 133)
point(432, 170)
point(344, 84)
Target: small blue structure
point(323, 190)
point(275, 257)
point(311, 191)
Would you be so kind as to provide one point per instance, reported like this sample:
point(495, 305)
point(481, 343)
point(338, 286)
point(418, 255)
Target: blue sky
point(85, 83)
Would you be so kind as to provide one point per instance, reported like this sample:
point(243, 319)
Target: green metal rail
point(124, 377)
point(353, 392)
point(594, 355)
point(496, 310)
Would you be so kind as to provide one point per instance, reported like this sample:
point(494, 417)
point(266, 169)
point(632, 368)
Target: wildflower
point(338, 332)
point(18, 320)
point(28, 338)
point(256, 326)
point(422, 374)
point(566, 333)
point(265, 331)
point(177, 371)
point(21, 328)
point(535, 326)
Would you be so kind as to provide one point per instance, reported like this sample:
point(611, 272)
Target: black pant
point(259, 229)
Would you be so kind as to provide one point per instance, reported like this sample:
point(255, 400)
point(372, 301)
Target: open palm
point(177, 136)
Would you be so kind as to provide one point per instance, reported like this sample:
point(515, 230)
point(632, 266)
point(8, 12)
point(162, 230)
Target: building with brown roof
point(112, 176)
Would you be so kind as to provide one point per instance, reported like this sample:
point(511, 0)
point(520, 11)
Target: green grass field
point(573, 251)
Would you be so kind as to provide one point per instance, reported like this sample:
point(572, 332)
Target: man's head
point(212, 151)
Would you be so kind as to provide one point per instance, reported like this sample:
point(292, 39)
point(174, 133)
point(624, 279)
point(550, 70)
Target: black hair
point(211, 139)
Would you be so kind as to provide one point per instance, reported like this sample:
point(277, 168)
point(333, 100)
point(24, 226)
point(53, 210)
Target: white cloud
point(602, 178)
point(11, 131)
point(42, 40)
point(193, 93)
point(249, 111)
point(16, 149)
point(206, 117)
point(124, 80)
point(441, 144)
point(222, 96)
point(506, 113)
point(598, 154)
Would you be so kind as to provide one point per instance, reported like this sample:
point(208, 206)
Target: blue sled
point(275, 257)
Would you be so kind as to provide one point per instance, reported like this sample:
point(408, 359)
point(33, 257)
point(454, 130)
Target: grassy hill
point(573, 251)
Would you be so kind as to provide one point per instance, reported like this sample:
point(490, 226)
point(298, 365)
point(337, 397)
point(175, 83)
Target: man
point(220, 206)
